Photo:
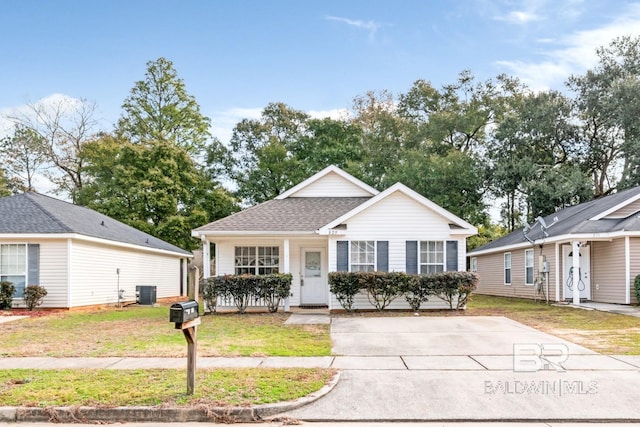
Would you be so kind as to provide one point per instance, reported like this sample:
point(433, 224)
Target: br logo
point(539, 357)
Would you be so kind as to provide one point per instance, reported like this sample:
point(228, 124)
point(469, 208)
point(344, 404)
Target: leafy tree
point(608, 104)
point(5, 188)
point(62, 127)
point(155, 187)
point(23, 155)
point(534, 158)
point(262, 163)
point(385, 137)
point(453, 180)
point(160, 109)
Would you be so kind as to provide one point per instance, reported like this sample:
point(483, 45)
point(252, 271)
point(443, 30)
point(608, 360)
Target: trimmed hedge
point(246, 288)
point(382, 288)
point(636, 285)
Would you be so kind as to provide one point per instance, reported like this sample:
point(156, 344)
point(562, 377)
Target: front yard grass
point(155, 387)
point(606, 333)
point(146, 332)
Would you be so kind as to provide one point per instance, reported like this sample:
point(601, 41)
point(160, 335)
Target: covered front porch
point(305, 258)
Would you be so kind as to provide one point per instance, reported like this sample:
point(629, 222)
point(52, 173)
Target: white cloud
point(519, 17)
point(574, 53)
point(371, 26)
point(335, 114)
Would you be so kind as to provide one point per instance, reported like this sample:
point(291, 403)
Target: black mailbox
point(182, 312)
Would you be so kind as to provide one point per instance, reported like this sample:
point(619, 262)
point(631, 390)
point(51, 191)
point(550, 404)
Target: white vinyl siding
point(94, 278)
point(528, 267)
point(396, 219)
point(331, 185)
point(507, 268)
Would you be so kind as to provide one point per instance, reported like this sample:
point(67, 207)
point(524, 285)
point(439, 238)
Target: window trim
point(255, 260)
point(533, 262)
point(510, 268)
point(26, 267)
point(374, 264)
point(444, 256)
point(473, 264)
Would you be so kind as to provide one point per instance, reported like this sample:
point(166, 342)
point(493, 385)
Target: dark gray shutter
point(452, 255)
point(342, 255)
point(34, 264)
point(382, 256)
point(411, 257)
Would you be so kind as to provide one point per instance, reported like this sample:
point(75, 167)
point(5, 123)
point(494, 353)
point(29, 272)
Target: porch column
point(286, 268)
point(206, 258)
point(575, 248)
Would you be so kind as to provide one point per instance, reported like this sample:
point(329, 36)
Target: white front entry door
point(313, 277)
point(584, 284)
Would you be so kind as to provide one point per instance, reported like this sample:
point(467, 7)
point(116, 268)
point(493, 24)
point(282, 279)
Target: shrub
point(344, 286)
point(451, 284)
point(382, 288)
point(636, 285)
point(417, 289)
point(33, 296)
point(6, 295)
point(273, 288)
point(242, 288)
point(210, 289)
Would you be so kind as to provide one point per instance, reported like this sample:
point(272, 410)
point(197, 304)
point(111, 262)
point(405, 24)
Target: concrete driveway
point(435, 336)
point(462, 369)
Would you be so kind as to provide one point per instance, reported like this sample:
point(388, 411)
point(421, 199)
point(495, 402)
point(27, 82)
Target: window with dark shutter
point(452, 255)
point(382, 255)
point(342, 255)
point(411, 256)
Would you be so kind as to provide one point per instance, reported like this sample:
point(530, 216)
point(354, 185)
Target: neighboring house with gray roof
point(335, 222)
point(80, 256)
point(539, 260)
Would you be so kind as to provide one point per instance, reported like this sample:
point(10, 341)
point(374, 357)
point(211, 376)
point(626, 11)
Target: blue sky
point(236, 56)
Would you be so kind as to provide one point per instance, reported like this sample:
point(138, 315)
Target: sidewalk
point(482, 363)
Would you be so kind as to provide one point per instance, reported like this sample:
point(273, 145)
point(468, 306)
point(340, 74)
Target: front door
point(313, 277)
point(584, 284)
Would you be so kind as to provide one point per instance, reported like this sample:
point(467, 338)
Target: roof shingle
point(295, 214)
point(32, 213)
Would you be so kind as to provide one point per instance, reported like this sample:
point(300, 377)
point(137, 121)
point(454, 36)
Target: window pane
point(362, 255)
point(431, 256)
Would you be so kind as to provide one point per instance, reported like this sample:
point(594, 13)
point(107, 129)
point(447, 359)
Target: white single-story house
point(82, 257)
point(335, 222)
point(587, 252)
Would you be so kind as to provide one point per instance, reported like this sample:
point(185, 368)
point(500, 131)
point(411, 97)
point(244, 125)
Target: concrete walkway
point(478, 362)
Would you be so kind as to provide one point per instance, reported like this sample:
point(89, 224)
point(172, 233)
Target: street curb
point(90, 414)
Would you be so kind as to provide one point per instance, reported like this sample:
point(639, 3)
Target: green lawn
point(146, 331)
point(153, 387)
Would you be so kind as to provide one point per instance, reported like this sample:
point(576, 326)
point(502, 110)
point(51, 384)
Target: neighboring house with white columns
point(335, 222)
point(540, 261)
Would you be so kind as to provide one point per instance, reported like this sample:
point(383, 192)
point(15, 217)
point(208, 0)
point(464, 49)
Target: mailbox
point(182, 312)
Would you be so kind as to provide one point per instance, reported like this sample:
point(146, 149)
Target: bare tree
point(63, 125)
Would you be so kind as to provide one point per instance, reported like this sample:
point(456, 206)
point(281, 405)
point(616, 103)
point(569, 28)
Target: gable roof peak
point(321, 174)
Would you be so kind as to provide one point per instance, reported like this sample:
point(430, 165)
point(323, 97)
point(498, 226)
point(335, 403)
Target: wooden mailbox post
point(186, 316)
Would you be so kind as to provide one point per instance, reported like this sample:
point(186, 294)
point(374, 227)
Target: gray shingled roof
point(575, 220)
point(32, 213)
point(298, 214)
